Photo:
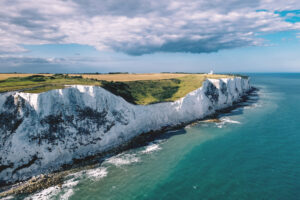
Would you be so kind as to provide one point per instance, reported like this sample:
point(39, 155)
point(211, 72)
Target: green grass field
point(40, 83)
point(137, 92)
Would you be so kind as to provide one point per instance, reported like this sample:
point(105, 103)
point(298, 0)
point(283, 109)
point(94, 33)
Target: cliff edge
point(42, 132)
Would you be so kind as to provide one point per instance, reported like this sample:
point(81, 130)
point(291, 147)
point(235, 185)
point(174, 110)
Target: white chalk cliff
point(41, 132)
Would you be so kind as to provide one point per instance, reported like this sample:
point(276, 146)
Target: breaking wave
point(255, 105)
point(97, 174)
point(66, 190)
point(123, 159)
point(45, 194)
point(151, 148)
point(8, 198)
point(226, 120)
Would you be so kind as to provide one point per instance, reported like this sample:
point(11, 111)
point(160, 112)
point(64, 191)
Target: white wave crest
point(220, 125)
point(96, 174)
point(226, 120)
point(123, 159)
point(45, 194)
point(66, 195)
point(255, 105)
point(66, 191)
point(151, 148)
point(67, 188)
point(8, 198)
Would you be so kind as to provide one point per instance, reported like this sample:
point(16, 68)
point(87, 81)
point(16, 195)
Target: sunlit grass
point(40, 83)
point(4, 76)
point(153, 88)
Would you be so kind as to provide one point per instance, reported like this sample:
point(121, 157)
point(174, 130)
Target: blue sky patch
point(291, 16)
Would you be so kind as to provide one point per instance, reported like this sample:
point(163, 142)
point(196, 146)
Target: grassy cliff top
point(135, 88)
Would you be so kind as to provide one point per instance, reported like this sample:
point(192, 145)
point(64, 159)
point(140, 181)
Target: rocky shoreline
point(41, 182)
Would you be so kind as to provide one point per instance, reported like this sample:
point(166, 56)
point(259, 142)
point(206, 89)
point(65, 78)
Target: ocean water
point(253, 153)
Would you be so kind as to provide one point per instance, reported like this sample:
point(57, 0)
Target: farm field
point(135, 88)
point(4, 76)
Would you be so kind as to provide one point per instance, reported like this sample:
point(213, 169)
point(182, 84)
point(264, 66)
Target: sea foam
point(67, 189)
point(151, 148)
point(123, 159)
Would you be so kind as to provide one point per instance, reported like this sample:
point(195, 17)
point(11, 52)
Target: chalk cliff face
point(41, 132)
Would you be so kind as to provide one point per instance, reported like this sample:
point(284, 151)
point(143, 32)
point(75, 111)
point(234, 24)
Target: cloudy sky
point(149, 35)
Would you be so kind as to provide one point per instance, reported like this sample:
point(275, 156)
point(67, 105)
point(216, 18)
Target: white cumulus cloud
point(139, 27)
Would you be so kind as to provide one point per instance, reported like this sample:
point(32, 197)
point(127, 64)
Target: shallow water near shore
point(252, 153)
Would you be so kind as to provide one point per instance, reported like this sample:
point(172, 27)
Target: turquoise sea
point(254, 153)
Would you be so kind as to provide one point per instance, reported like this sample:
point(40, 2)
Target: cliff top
point(135, 88)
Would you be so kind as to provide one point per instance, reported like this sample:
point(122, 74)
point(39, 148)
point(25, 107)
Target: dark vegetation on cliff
point(137, 89)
